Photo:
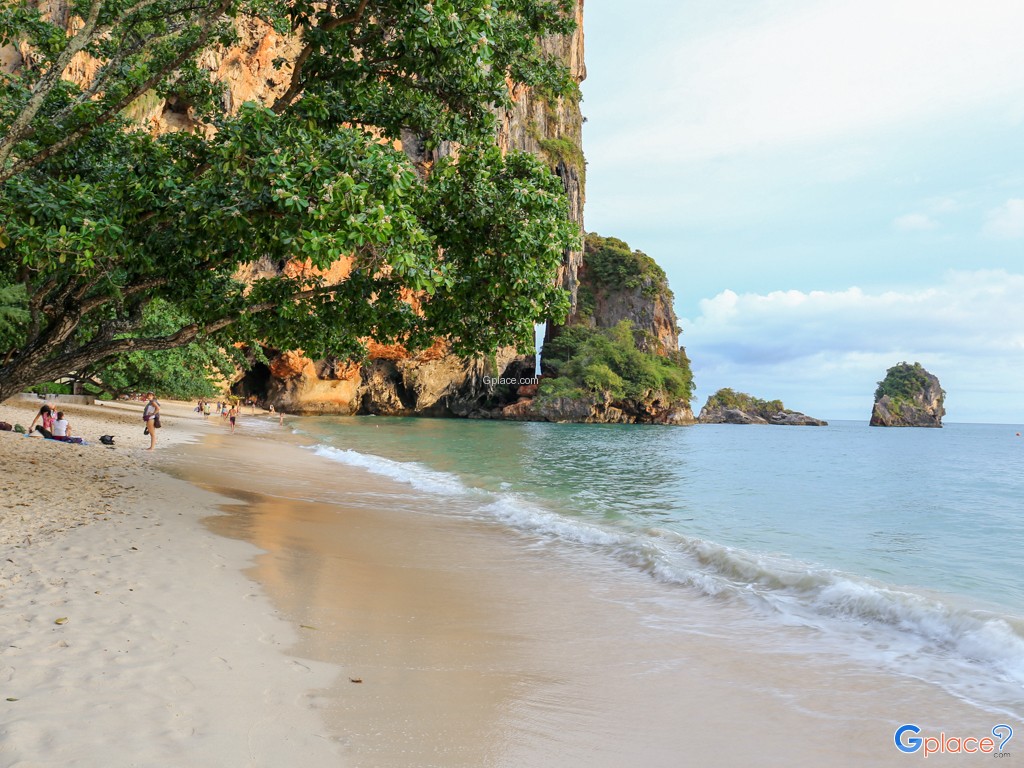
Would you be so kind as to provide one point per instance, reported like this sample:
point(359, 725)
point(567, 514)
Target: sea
point(897, 548)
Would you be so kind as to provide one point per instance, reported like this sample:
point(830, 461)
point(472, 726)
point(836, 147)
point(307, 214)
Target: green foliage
point(563, 151)
point(903, 382)
point(13, 314)
point(727, 398)
point(551, 389)
point(612, 264)
point(607, 361)
point(182, 373)
point(99, 219)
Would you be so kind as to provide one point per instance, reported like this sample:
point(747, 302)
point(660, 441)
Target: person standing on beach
point(149, 415)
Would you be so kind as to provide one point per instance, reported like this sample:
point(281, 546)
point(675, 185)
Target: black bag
point(156, 421)
point(5, 427)
point(107, 439)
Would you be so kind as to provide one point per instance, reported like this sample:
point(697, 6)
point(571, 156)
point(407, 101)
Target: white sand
point(130, 635)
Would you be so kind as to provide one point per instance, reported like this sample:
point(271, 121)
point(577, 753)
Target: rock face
point(617, 288)
point(908, 396)
point(598, 410)
point(616, 284)
point(391, 383)
point(728, 407)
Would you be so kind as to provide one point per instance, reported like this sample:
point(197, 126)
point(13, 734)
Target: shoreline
point(475, 644)
point(472, 644)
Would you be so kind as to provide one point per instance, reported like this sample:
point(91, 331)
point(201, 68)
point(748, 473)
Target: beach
point(236, 600)
point(131, 636)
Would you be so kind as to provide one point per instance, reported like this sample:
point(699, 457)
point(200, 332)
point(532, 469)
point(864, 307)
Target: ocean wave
point(798, 592)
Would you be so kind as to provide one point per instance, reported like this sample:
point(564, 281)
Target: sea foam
point(924, 629)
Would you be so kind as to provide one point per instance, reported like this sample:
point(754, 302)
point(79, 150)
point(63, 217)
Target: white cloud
point(819, 69)
point(914, 222)
point(1007, 221)
point(827, 349)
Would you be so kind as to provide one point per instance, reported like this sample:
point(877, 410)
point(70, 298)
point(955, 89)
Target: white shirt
point(60, 428)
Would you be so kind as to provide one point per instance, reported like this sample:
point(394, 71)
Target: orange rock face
point(289, 365)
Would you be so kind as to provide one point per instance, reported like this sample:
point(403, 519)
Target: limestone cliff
point(616, 284)
point(618, 359)
point(908, 396)
point(729, 407)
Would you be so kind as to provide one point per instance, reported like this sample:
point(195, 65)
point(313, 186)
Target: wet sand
point(459, 643)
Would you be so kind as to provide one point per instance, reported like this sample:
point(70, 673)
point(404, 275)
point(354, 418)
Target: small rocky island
point(908, 396)
point(729, 407)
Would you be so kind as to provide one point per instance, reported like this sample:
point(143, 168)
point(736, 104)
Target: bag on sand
point(107, 439)
point(5, 427)
point(19, 429)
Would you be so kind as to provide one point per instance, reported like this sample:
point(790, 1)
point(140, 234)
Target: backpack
point(107, 439)
point(5, 427)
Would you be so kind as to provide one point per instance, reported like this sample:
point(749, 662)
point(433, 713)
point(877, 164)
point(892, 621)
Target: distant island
point(729, 407)
point(908, 396)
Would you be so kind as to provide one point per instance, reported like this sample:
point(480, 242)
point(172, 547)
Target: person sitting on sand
point(149, 415)
point(46, 414)
point(62, 430)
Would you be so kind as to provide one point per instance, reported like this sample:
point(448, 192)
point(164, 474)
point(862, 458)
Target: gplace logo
point(943, 744)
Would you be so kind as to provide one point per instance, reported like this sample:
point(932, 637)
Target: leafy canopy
point(904, 382)
point(100, 219)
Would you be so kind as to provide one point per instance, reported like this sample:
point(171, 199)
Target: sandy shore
point(369, 630)
point(131, 637)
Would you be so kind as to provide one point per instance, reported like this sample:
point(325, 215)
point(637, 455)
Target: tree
point(99, 219)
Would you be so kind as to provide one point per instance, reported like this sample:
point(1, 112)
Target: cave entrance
point(255, 383)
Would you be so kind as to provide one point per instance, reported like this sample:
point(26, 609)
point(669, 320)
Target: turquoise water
point(900, 546)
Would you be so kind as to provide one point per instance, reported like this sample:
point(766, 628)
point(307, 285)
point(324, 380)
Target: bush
point(741, 401)
point(612, 264)
point(608, 361)
point(903, 382)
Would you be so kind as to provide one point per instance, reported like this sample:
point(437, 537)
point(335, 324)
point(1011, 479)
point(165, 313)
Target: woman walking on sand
point(232, 415)
point(151, 415)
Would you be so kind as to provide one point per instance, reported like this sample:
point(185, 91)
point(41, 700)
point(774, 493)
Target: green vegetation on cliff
point(100, 218)
point(585, 361)
point(612, 264)
point(903, 382)
point(741, 401)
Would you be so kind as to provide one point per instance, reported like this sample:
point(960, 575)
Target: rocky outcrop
point(617, 283)
point(728, 407)
point(598, 410)
point(392, 383)
point(908, 396)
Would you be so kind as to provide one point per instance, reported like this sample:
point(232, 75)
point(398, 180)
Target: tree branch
point(114, 109)
point(47, 83)
point(295, 86)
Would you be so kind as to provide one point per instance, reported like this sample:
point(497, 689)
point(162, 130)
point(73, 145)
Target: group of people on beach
point(52, 426)
point(55, 425)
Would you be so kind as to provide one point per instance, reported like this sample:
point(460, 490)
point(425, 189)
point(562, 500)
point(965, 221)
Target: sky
point(832, 187)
